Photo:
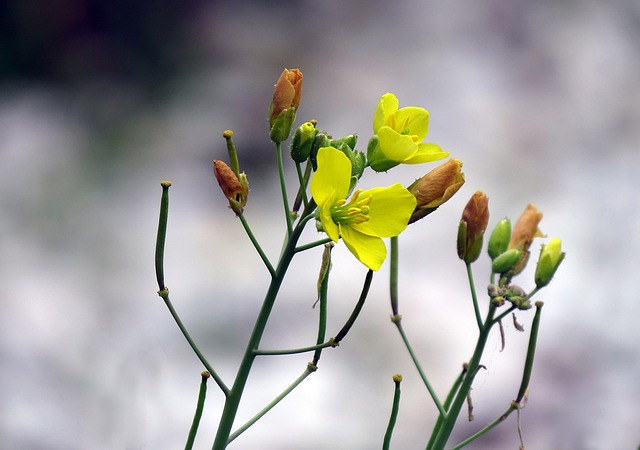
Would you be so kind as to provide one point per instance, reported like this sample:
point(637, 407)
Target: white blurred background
point(101, 100)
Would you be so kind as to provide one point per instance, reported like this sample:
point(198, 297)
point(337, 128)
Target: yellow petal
point(331, 181)
point(387, 105)
point(426, 153)
point(412, 120)
point(369, 250)
point(395, 146)
point(389, 211)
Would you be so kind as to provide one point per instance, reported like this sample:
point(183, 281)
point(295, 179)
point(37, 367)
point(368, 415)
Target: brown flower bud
point(436, 187)
point(286, 94)
point(473, 224)
point(235, 189)
point(524, 231)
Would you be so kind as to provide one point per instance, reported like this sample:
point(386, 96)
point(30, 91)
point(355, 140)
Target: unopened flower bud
point(525, 230)
point(551, 255)
point(473, 224)
point(234, 188)
point(436, 187)
point(499, 239)
point(286, 99)
point(303, 141)
point(504, 263)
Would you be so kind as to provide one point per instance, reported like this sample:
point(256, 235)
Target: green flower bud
point(473, 224)
point(321, 140)
point(505, 262)
point(349, 140)
point(499, 240)
point(551, 255)
point(281, 128)
point(303, 141)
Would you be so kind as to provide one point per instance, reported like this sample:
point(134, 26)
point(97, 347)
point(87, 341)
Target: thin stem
point(162, 234)
point(164, 292)
point(396, 318)
point(202, 395)
point(322, 315)
point(447, 403)
point(397, 379)
point(283, 188)
point(301, 197)
point(165, 296)
point(294, 351)
point(513, 407)
point(256, 245)
point(356, 310)
point(309, 370)
point(446, 427)
point(397, 321)
point(476, 308)
point(531, 353)
point(504, 314)
point(233, 399)
point(302, 248)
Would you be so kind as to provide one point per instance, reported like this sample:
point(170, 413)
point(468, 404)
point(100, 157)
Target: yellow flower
point(398, 136)
point(367, 217)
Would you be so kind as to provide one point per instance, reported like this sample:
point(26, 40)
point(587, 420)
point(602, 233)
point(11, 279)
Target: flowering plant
point(329, 171)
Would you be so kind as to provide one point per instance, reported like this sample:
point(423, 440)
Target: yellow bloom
point(367, 217)
point(398, 136)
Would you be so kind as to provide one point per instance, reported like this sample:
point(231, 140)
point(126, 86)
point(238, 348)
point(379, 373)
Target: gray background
point(99, 101)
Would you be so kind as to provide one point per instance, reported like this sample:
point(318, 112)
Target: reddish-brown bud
point(436, 187)
point(286, 93)
point(473, 224)
point(524, 231)
point(235, 189)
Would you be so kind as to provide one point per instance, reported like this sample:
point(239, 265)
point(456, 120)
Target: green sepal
point(499, 239)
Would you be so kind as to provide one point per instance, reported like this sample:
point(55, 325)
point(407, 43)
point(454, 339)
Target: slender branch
point(397, 379)
point(256, 245)
point(283, 188)
point(202, 395)
point(531, 353)
point(164, 292)
point(165, 296)
point(294, 351)
point(513, 407)
point(308, 371)
point(318, 243)
point(356, 310)
point(476, 308)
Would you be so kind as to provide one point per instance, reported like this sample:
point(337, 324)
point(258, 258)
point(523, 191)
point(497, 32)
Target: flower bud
point(234, 188)
point(499, 240)
point(286, 99)
point(436, 187)
point(505, 262)
point(525, 230)
point(551, 255)
point(303, 141)
point(473, 224)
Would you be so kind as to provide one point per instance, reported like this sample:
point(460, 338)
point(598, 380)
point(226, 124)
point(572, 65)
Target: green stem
point(164, 292)
point(302, 248)
point(513, 407)
point(202, 395)
point(322, 315)
point(301, 197)
point(447, 403)
point(356, 310)
point(308, 371)
point(233, 399)
point(283, 188)
point(446, 427)
point(165, 296)
point(294, 351)
point(504, 314)
point(476, 308)
point(396, 318)
point(397, 321)
point(256, 245)
point(162, 234)
point(397, 379)
point(531, 353)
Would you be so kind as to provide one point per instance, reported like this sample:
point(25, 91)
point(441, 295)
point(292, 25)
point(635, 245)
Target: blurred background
point(101, 100)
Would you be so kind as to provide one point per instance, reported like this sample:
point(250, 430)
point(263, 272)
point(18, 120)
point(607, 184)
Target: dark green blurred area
point(73, 41)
